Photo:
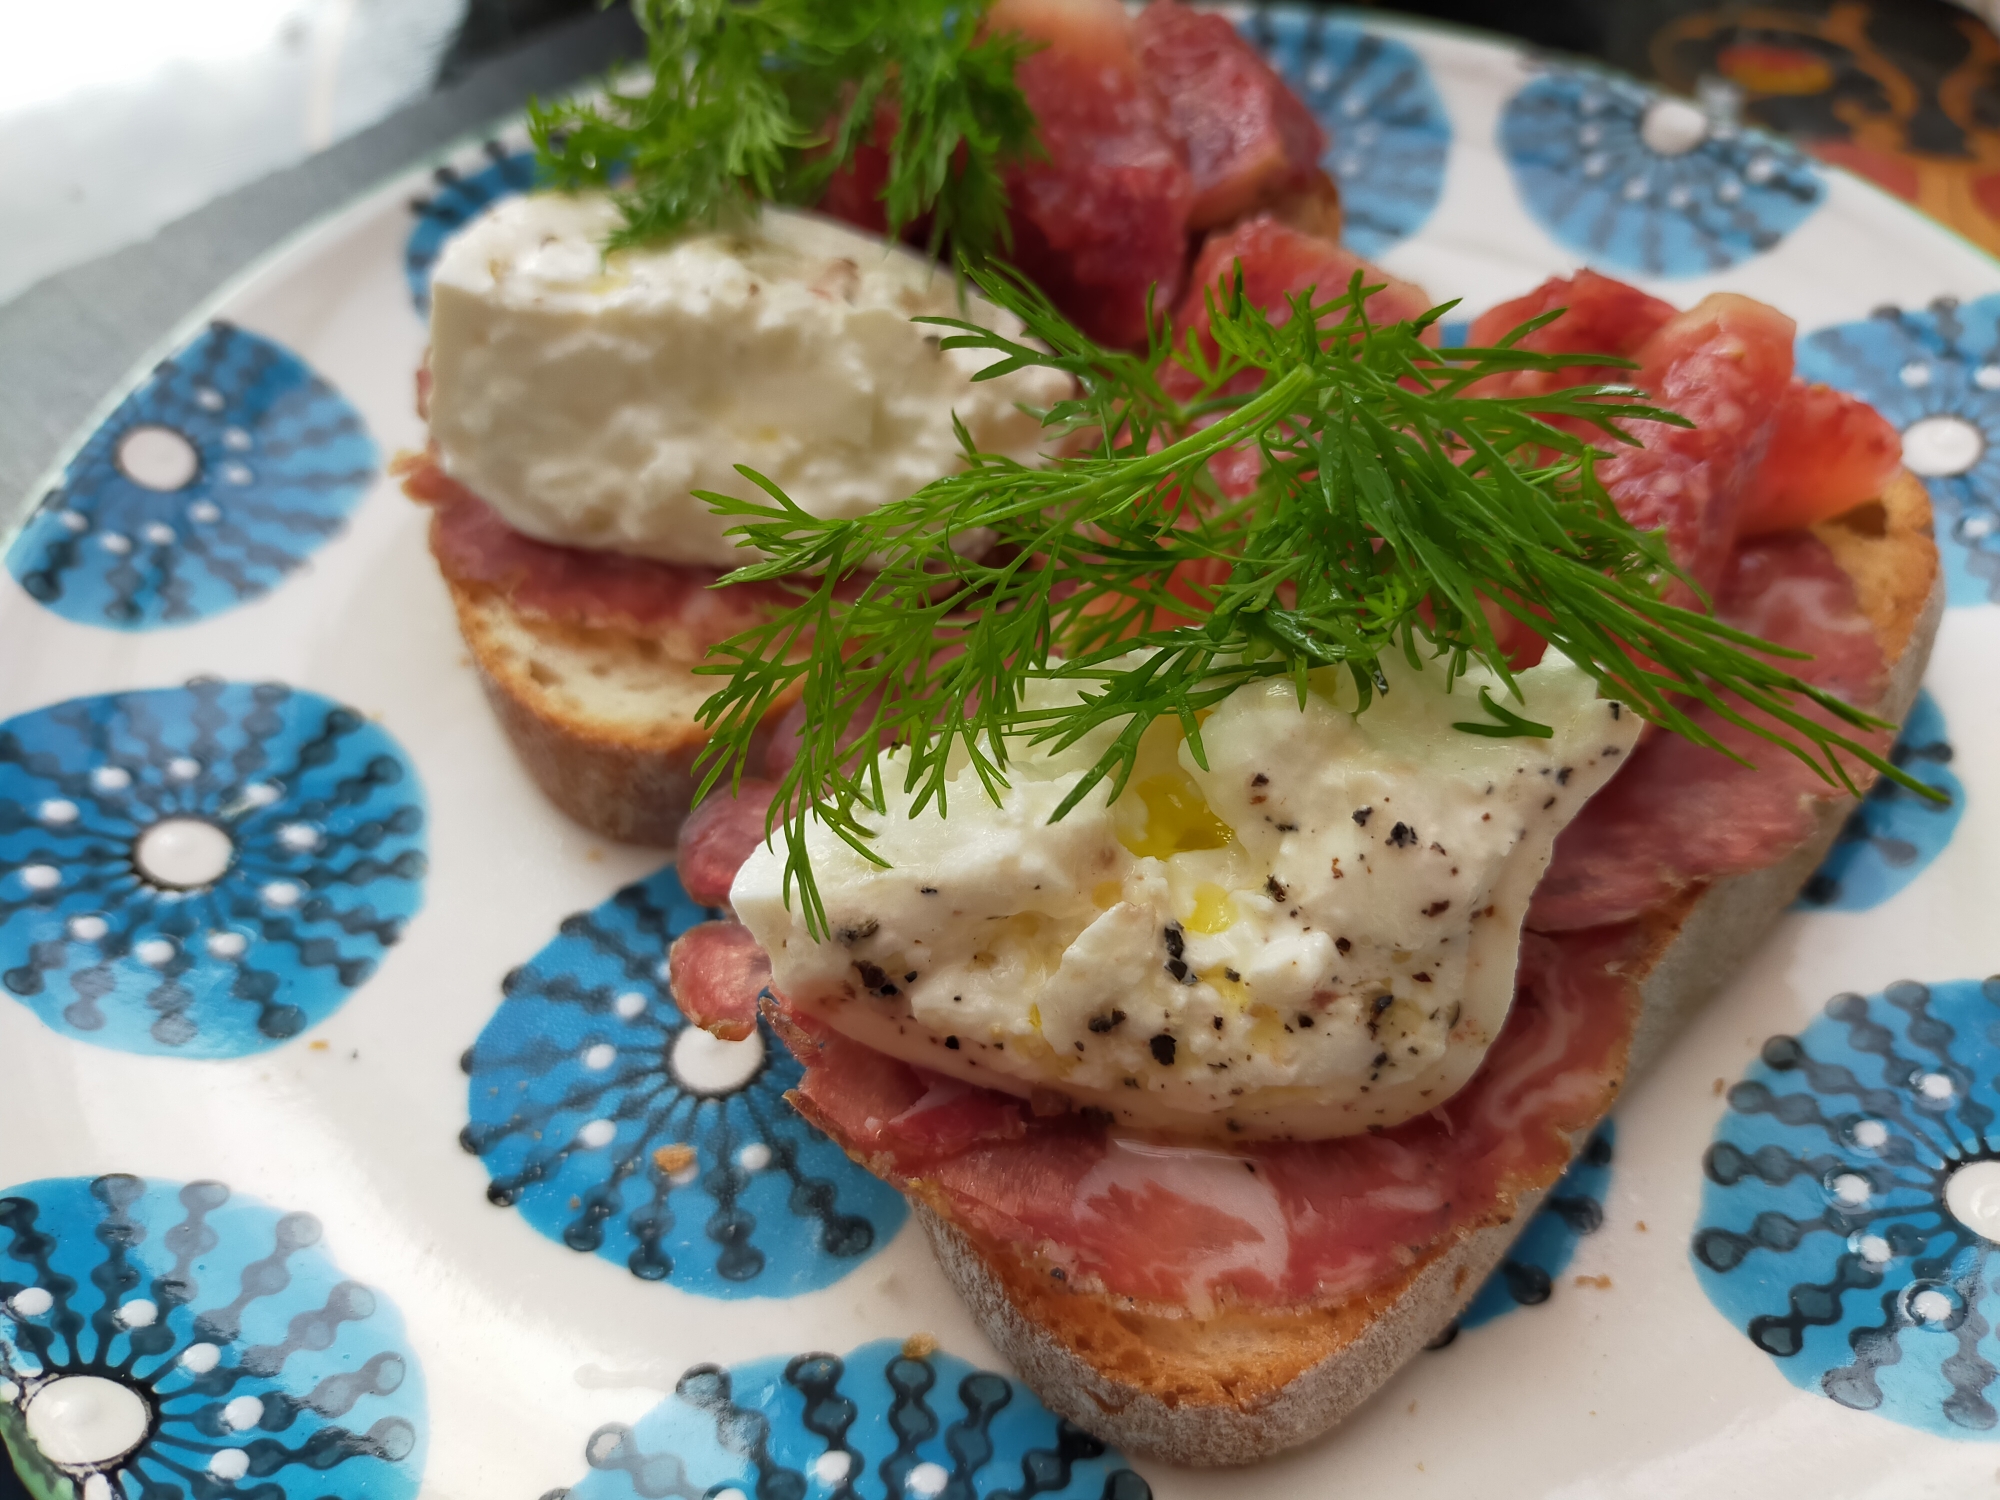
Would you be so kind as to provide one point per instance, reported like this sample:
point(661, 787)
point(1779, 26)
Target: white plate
point(297, 1031)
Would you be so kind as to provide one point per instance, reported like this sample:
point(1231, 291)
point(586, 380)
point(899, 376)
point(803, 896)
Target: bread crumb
point(575, 1202)
point(1420, 1466)
point(1413, 1408)
point(1642, 1226)
point(1720, 1085)
point(920, 1346)
point(317, 1046)
point(595, 856)
point(672, 1159)
point(1602, 1283)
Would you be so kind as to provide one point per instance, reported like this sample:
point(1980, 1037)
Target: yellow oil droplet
point(1267, 1033)
point(1107, 894)
point(1213, 910)
point(1178, 818)
point(1234, 992)
point(1035, 1017)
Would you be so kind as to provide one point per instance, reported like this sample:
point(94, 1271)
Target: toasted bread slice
point(603, 720)
point(1243, 1384)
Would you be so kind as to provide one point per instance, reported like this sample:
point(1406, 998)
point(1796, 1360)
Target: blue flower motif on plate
point(1641, 181)
point(1935, 374)
point(1387, 131)
point(620, 1130)
point(459, 198)
point(201, 871)
point(1851, 1214)
point(887, 1422)
point(228, 467)
point(1894, 834)
point(168, 1342)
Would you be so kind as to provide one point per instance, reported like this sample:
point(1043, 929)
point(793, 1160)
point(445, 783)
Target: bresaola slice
point(1599, 316)
point(1725, 365)
point(718, 973)
point(1248, 136)
point(1102, 216)
point(676, 603)
point(718, 836)
point(1278, 261)
point(1678, 814)
point(1827, 453)
point(1272, 1226)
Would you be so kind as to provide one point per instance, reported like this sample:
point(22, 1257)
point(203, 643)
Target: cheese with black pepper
point(1315, 935)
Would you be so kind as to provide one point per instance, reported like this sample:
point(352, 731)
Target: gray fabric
point(68, 340)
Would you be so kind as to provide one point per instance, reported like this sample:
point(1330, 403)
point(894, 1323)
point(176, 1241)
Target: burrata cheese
point(1315, 935)
point(586, 396)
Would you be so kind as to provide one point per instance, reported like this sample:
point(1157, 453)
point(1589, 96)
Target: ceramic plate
point(351, 1145)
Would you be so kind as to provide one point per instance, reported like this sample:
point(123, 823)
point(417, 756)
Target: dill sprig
point(1392, 507)
point(763, 100)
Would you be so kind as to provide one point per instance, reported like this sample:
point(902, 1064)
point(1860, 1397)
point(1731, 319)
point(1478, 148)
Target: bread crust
point(603, 721)
point(1244, 1384)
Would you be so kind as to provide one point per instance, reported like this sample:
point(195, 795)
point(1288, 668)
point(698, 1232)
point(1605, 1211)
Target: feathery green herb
point(763, 100)
point(1392, 506)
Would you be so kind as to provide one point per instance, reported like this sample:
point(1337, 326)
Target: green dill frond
point(1392, 510)
point(764, 100)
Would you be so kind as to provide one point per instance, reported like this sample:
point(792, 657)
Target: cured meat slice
point(1275, 1225)
point(1248, 136)
point(718, 971)
point(717, 837)
point(1601, 316)
point(1280, 261)
point(676, 603)
point(1828, 452)
point(1725, 365)
point(1103, 216)
point(1678, 814)
point(884, 1111)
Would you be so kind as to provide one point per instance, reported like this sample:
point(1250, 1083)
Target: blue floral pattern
point(167, 1342)
point(458, 199)
point(1936, 375)
point(620, 1130)
point(1387, 130)
point(888, 1422)
point(1641, 181)
point(1894, 834)
point(201, 871)
point(1853, 1191)
point(228, 467)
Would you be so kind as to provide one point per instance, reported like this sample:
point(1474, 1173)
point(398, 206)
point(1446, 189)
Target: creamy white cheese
point(586, 397)
point(1316, 935)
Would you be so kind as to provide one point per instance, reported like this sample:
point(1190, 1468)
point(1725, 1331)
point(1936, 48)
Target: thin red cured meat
point(718, 836)
point(1248, 136)
point(1276, 1225)
point(1678, 814)
point(1600, 316)
point(1827, 453)
point(677, 603)
point(718, 971)
point(1280, 261)
point(1103, 215)
point(1725, 365)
